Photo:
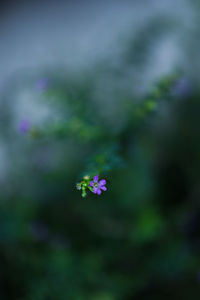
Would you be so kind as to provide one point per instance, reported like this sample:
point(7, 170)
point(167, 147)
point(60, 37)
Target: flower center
point(96, 185)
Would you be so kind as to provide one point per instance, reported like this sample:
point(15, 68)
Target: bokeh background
point(110, 88)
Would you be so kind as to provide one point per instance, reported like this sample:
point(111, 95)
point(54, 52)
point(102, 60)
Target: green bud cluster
point(83, 186)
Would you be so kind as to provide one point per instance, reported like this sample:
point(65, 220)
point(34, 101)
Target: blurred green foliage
point(139, 239)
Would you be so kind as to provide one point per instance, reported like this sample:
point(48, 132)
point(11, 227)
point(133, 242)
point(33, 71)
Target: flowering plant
point(96, 186)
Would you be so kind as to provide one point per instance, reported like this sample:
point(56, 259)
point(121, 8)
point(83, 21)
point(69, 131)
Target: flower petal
point(98, 191)
point(91, 183)
point(102, 182)
point(96, 178)
point(95, 190)
point(104, 188)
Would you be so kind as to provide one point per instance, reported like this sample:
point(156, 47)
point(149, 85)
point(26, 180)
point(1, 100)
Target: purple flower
point(98, 185)
point(182, 88)
point(24, 126)
point(42, 84)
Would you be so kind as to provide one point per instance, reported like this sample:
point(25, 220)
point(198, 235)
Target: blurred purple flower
point(182, 88)
point(98, 185)
point(42, 84)
point(24, 126)
point(39, 231)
